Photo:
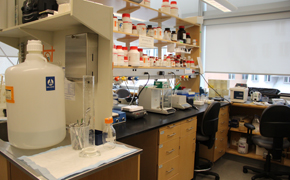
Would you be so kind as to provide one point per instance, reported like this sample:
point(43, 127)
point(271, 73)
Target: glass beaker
point(89, 116)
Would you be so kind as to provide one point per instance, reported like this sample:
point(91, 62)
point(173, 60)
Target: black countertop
point(154, 120)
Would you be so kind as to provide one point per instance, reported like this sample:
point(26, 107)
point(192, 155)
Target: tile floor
point(230, 167)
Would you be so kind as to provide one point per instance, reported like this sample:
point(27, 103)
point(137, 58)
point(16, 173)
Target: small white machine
point(179, 102)
point(256, 96)
point(132, 108)
point(156, 100)
point(239, 94)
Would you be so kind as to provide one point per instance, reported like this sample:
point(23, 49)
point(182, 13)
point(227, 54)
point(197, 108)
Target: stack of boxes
point(221, 86)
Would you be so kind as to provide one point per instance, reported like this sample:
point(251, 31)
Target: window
point(254, 77)
point(244, 76)
point(267, 78)
point(232, 76)
point(287, 79)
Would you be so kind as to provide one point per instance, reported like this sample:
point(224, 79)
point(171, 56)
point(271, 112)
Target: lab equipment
point(156, 100)
point(79, 136)
point(134, 112)
point(239, 94)
point(81, 52)
point(35, 101)
point(256, 96)
point(179, 102)
point(109, 134)
point(120, 117)
point(243, 146)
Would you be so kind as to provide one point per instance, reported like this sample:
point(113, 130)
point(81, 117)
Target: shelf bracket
point(128, 39)
point(128, 9)
point(44, 36)
point(160, 18)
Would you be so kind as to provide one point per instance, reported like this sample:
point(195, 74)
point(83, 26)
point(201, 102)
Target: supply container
point(181, 35)
point(146, 61)
point(35, 101)
point(115, 56)
point(140, 50)
point(127, 23)
point(155, 32)
point(120, 25)
point(125, 50)
point(243, 146)
point(167, 34)
point(120, 59)
point(194, 42)
point(150, 31)
point(141, 61)
point(173, 36)
point(134, 56)
point(109, 134)
point(126, 63)
point(115, 23)
point(79, 136)
point(134, 30)
point(165, 7)
point(141, 28)
point(174, 8)
point(159, 32)
point(188, 38)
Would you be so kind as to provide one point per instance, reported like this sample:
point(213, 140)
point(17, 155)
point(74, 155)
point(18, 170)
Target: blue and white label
point(50, 83)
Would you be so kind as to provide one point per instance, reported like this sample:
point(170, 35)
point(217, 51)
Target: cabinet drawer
point(223, 123)
point(220, 141)
point(169, 133)
point(188, 127)
point(220, 149)
point(168, 150)
point(168, 169)
point(224, 112)
point(221, 133)
point(175, 177)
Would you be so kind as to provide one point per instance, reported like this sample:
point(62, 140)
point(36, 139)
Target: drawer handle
point(222, 122)
point(169, 152)
point(189, 120)
point(223, 108)
point(193, 138)
point(171, 135)
point(222, 131)
point(222, 139)
point(170, 170)
point(171, 126)
point(223, 114)
point(221, 151)
point(189, 129)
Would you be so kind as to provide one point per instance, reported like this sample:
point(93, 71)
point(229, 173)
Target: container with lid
point(174, 8)
point(181, 35)
point(150, 31)
point(141, 61)
point(125, 50)
point(141, 28)
point(134, 30)
point(120, 25)
point(188, 38)
point(173, 36)
point(159, 32)
point(120, 59)
point(115, 56)
point(155, 32)
point(167, 34)
point(126, 62)
point(127, 23)
point(146, 61)
point(243, 146)
point(134, 56)
point(115, 24)
point(109, 134)
point(194, 42)
point(35, 101)
point(165, 7)
point(140, 50)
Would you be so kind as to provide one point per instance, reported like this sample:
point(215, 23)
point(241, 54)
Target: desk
point(249, 109)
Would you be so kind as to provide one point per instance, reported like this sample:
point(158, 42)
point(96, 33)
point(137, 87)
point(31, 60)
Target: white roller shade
point(249, 48)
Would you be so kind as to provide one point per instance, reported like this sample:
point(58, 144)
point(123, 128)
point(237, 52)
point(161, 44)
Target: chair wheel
point(245, 170)
point(217, 178)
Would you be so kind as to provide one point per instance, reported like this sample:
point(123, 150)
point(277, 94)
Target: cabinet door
point(168, 151)
point(4, 168)
point(187, 152)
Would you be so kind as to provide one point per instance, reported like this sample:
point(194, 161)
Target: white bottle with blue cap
point(35, 101)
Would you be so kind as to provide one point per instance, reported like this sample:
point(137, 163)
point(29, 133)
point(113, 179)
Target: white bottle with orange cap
point(109, 134)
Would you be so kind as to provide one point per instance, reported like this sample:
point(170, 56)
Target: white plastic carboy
point(35, 101)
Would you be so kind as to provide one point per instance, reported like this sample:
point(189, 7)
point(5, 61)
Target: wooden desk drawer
point(175, 177)
point(169, 133)
point(221, 133)
point(168, 151)
point(223, 124)
point(188, 127)
point(220, 141)
point(168, 169)
point(220, 149)
point(224, 112)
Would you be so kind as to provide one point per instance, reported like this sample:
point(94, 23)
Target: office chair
point(274, 127)
point(206, 135)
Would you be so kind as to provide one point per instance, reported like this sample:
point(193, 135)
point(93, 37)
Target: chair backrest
point(209, 124)
point(275, 122)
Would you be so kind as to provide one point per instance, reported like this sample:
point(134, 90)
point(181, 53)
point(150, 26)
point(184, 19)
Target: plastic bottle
point(126, 62)
point(167, 34)
point(140, 50)
point(120, 25)
point(181, 35)
point(134, 30)
point(165, 7)
point(256, 123)
point(159, 32)
point(141, 61)
point(188, 38)
point(115, 56)
point(109, 134)
point(173, 36)
point(243, 146)
point(127, 23)
point(146, 61)
point(155, 32)
point(134, 56)
point(174, 8)
point(150, 31)
point(36, 105)
point(115, 23)
point(125, 49)
point(141, 28)
point(194, 42)
point(120, 59)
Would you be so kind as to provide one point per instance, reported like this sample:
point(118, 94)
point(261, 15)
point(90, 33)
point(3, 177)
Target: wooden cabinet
point(177, 150)
point(220, 145)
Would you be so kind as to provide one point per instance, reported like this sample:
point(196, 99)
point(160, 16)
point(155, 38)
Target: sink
point(3, 131)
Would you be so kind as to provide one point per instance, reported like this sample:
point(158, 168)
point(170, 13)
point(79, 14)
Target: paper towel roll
point(3, 14)
point(10, 13)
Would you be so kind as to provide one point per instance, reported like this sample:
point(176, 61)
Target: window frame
point(232, 76)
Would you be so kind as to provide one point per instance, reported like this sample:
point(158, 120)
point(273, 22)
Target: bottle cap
point(134, 27)
point(124, 48)
point(115, 17)
point(141, 24)
point(125, 58)
point(144, 54)
point(166, 29)
point(133, 48)
point(173, 2)
point(126, 15)
point(34, 45)
point(149, 26)
point(140, 49)
point(181, 27)
point(109, 120)
point(119, 47)
point(158, 27)
point(165, 0)
point(187, 33)
point(114, 46)
point(141, 59)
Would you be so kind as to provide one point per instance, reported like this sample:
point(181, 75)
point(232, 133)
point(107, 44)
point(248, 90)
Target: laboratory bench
point(11, 168)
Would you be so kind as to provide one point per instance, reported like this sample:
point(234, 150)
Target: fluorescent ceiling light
point(132, 18)
point(222, 5)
